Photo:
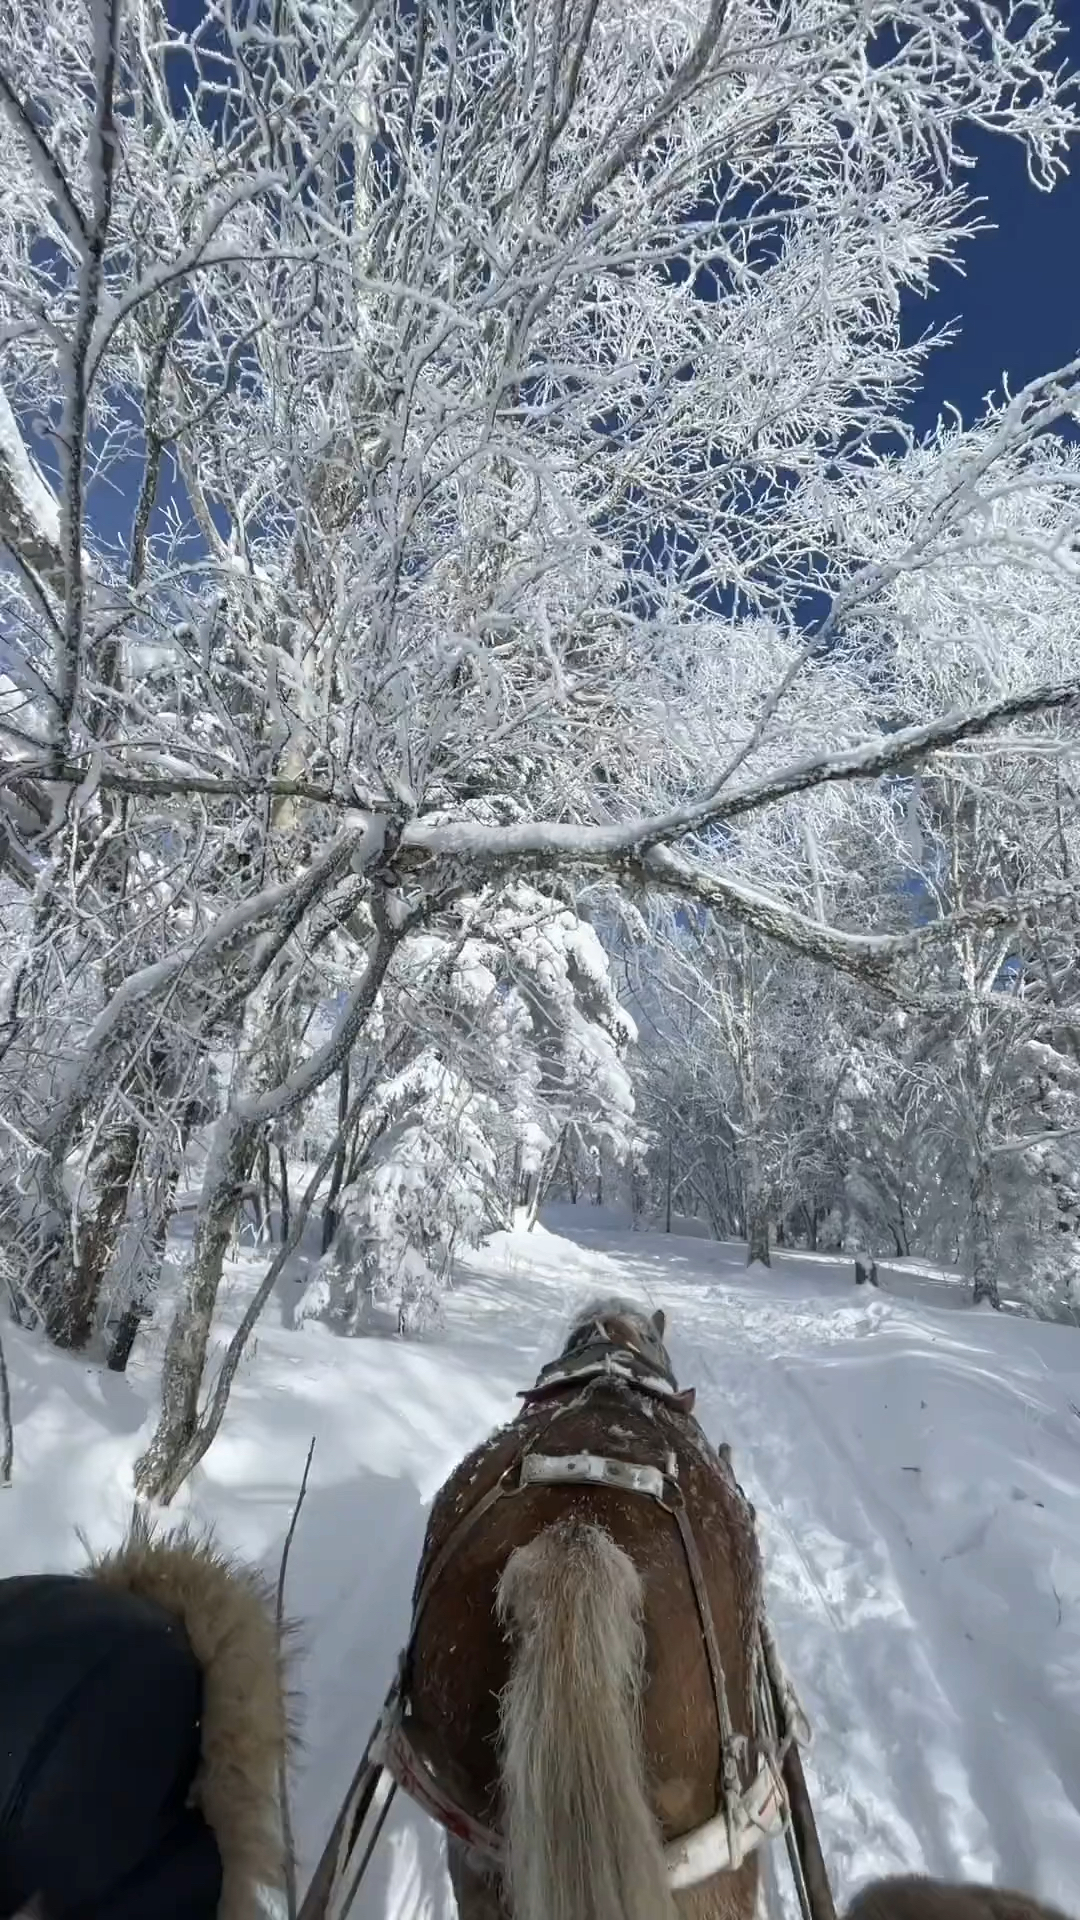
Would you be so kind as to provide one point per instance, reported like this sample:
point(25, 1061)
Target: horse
point(913, 1897)
point(581, 1674)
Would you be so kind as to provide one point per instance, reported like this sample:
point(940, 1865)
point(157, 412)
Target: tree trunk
point(208, 1423)
point(758, 1238)
point(286, 1209)
point(545, 1174)
point(983, 1251)
point(757, 1228)
point(123, 1340)
point(339, 1168)
point(266, 1184)
point(235, 1147)
point(668, 1185)
point(161, 1469)
point(731, 1202)
point(72, 1323)
point(48, 1259)
point(155, 1238)
point(757, 1210)
point(516, 1195)
point(638, 1196)
point(337, 1176)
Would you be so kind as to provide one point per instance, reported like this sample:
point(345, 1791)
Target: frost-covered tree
point(498, 1036)
point(995, 819)
point(424, 1190)
point(744, 1059)
point(415, 419)
point(949, 1127)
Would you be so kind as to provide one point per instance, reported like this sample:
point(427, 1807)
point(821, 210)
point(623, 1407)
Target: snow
point(914, 1465)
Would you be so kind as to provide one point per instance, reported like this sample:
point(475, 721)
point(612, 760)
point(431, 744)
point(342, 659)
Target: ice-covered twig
point(291, 1894)
point(868, 760)
point(7, 1430)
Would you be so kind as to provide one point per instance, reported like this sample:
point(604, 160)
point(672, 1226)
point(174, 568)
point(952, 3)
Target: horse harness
point(746, 1815)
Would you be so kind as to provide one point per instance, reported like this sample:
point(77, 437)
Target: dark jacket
point(141, 1725)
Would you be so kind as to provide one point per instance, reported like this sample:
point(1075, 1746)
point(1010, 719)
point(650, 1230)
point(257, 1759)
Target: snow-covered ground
point(915, 1466)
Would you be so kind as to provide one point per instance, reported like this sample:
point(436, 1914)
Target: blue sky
point(1019, 303)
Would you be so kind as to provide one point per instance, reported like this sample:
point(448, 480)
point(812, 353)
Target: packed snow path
point(915, 1466)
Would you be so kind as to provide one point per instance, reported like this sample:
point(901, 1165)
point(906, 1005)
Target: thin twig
point(283, 1764)
point(7, 1431)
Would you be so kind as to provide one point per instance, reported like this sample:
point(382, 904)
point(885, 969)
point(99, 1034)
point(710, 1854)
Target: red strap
point(403, 1765)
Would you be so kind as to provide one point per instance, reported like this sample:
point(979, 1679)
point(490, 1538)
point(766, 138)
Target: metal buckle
point(591, 1469)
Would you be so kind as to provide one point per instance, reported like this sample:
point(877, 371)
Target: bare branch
point(870, 760)
point(871, 957)
point(283, 1762)
point(45, 160)
point(7, 1429)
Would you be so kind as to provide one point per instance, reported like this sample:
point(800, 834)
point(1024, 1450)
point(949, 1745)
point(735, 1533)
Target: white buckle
point(591, 1469)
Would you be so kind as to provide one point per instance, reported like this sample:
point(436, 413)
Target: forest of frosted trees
point(495, 699)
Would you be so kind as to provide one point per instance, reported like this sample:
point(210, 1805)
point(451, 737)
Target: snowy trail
point(839, 1606)
point(915, 1469)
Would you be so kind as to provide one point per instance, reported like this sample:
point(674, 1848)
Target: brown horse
point(910, 1897)
point(560, 1686)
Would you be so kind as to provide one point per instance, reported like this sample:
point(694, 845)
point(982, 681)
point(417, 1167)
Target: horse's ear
point(659, 1321)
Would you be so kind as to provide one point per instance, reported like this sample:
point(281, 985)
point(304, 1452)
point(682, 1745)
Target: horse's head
point(626, 1328)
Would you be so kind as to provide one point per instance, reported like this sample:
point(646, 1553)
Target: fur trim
point(228, 1613)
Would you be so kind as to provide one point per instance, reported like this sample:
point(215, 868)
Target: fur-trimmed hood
point(228, 1614)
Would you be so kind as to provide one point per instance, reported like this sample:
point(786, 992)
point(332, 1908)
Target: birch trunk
point(70, 1322)
point(235, 1147)
point(7, 1430)
point(757, 1228)
point(337, 1177)
point(233, 1155)
point(984, 1282)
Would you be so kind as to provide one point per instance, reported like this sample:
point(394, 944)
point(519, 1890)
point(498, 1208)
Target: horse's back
point(461, 1658)
point(914, 1897)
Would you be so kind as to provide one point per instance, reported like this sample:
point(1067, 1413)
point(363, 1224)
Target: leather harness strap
point(730, 1742)
point(599, 1360)
point(451, 1544)
point(502, 1488)
point(745, 1816)
point(530, 1468)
